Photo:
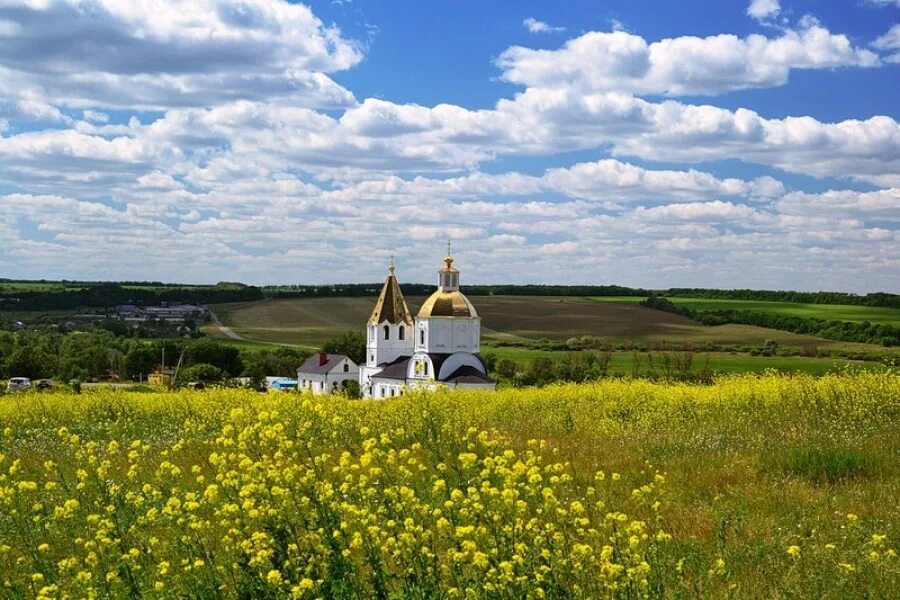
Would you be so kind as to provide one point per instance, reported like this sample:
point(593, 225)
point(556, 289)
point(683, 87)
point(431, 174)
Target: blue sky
point(717, 144)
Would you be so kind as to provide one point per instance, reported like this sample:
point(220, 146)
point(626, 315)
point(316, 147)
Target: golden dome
point(447, 304)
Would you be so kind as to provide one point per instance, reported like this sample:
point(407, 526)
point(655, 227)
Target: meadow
point(755, 486)
point(308, 322)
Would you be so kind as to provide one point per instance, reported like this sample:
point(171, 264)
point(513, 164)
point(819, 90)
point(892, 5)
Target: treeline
point(874, 299)
point(843, 331)
point(100, 354)
point(419, 289)
point(592, 365)
point(422, 289)
point(107, 295)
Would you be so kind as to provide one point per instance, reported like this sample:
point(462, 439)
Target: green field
point(828, 312)
point(309, 322)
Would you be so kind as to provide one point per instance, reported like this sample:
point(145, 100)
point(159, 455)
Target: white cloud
point(702, 211)
point(890, 40)
point(241, 178)
point(763, 10)
point(95, 116)
point(535, 26)
point(164, 53)
point(626, 63)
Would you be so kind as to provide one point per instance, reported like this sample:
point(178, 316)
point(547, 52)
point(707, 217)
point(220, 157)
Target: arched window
point(401, 334)
point(425, 368)
point(422, 336)
point(387, 332)
point(346, 368)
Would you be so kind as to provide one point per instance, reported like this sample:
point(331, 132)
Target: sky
point(732, 144)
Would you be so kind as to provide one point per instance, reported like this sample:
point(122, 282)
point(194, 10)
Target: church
point(440, 347)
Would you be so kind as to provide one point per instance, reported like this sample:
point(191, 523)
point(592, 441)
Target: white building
point(440, 347)
point(326, 373)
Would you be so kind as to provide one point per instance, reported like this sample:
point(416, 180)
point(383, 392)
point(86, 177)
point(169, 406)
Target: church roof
point(390, 306)
point(321, 363)
point(394, 370)
point(447, 304)
point(468, 374)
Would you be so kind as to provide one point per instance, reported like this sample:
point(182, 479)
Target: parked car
point(18, 383)
point(44, 384)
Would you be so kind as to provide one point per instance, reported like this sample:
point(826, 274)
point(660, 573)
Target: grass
point(308, 322)
point(771, 486)
point(823, 463)
point(829, 312)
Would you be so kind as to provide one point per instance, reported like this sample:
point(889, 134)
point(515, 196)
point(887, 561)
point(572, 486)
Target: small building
point(159, 378)
point(284, 385)
point(326, 373)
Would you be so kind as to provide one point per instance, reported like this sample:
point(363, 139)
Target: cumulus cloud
point(762, 10)
point(163, 53)
point(890, 42)
point(240, 176)
point(535, 26)
point(626, 63)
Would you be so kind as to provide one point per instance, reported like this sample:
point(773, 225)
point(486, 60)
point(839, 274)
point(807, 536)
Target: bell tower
point(389, 331)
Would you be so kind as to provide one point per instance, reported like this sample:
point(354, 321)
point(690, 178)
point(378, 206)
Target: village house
point(324, 373)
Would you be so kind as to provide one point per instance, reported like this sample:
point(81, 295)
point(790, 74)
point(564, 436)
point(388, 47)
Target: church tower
point(448, 336)
point(389, 331)
point(447, 321)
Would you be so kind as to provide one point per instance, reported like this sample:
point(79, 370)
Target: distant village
point(166, 311)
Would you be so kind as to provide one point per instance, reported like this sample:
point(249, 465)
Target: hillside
point(311, 321)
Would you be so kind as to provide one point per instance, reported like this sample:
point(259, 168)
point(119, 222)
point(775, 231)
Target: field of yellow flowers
point(755, 486)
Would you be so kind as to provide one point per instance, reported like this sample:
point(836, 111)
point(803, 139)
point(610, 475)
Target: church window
point(387, 332)
point(371, 358)
point(425, 368)
point(421, 336)
point(346, 368)
point(401, 334)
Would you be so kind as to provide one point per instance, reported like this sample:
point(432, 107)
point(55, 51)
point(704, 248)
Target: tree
point(33, 355)
point(351, 344)
point(506, 369)
point(141, 359)
point(201, 372)
point(85, 354)
point(226, 358)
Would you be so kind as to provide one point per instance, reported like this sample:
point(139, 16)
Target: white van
point(18, 383)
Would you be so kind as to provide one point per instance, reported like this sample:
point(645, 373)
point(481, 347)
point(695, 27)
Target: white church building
point(439, 347)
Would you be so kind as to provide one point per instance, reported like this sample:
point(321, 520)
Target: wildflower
point(301, 588)
point(273, 577)
point(718, 568)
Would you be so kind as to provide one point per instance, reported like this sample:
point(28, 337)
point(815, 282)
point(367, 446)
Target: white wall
point(380, 350)
point(326, 383)
point(446, 335)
